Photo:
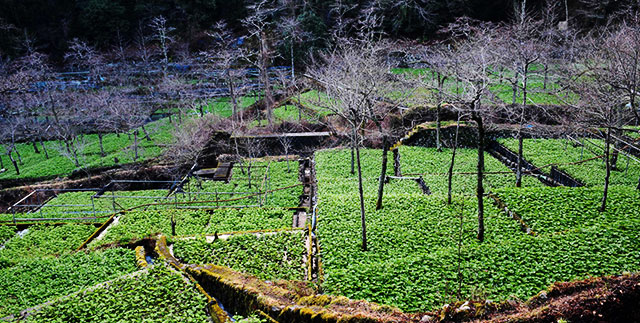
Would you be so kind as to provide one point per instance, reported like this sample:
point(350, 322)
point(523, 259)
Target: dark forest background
point(52, 24)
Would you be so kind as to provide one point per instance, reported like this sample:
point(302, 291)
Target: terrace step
point(223, 172)
point(510, 159)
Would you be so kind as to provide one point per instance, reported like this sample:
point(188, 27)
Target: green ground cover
point(316, 101)
point(635, 134)
point(158, 295)
point(222, 106)
point(552, 210)
point(37, 165)
point(413, 241)
point(413, 256)
point(279, 176)
point(140, 224)
point(249, 219)
point(268, 256)
point(291, 113)
point(562, 152)
point(6, 233)
point(35, 281)
point(124, 200)
point(44, 240)
point(136, 225)
point(335, 175)
point(80, 204)
point(537, 92)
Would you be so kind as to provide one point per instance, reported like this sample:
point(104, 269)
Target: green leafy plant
point(269, 256)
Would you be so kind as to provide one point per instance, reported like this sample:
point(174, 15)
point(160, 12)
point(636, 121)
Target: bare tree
point(285, 142)
point(83, 56)
point(8, 135)
point(520, 49)
point(162, 33)
point(601, 79)
point(258, 23)
point(190, 140)
point(254, 148)
point(357, 79)
point(430, 89)
point(477, 59)
point(228, 56)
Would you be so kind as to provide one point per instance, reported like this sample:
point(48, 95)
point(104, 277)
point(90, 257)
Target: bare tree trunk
point(546, 76)
point(480, 174)
point(520, 139)
point(234, 101)
point(396, 163)
point(383, 171)
point(44, 148)
point(293, 68)
point(249, 173)
point(441, 81)
point(146, 134)
point(66, 143)
point(265, 75)
point(353, 147)
point(17, 152)
point(460, 240)
point(15, 164)
point(361, 192)
point(74, 153)
point(438, 129)
point(299, 106)
point(519, 164)
point(135, 145)
point(453, 160)
point(101, 146)
point(603, 206)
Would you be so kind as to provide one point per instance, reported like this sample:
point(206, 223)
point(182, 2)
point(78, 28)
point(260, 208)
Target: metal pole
point(93, 206)
point(41, 206)
point(113, 199)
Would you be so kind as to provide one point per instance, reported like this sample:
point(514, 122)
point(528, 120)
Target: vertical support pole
point(173, 224)
point(113, 198)
point(41, 206)
point(627, 168)
point(93, 206)
point(175, 201)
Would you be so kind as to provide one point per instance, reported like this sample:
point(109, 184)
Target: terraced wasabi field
point(420, 257)
point(422, 253)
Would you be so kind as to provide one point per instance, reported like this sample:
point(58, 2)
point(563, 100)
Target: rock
point(464, 308)
point(426, 318)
